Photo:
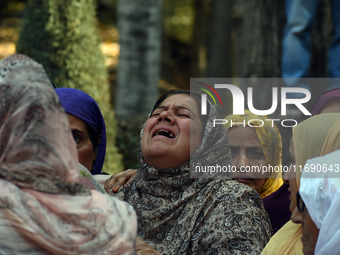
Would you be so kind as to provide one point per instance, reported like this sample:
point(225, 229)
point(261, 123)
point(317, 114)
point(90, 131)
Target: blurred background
point(124, 53)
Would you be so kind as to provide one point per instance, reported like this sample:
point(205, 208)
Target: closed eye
point(184, 115)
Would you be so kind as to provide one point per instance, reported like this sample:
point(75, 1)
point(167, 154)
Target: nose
point(166, 115)
point(290, 174)
point(240, 160)
point(297, 216)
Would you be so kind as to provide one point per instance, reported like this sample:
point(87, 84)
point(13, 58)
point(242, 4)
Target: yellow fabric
point(286, 241)
point(313, 137)
point(271, 143)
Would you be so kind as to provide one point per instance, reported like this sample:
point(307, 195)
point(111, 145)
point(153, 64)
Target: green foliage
point(62, 36)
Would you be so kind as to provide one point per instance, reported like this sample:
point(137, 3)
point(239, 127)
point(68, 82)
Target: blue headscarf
point(84, 107)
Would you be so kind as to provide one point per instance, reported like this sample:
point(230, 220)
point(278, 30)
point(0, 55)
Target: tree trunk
point(139, 25)
point(219, 60)
point(320, 41)
point(62, 36)
point(198, 46)
point(258, 35)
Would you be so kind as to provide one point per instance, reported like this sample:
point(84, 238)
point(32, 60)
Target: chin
point(308, 249)
point(163, 163)
point(161, 159)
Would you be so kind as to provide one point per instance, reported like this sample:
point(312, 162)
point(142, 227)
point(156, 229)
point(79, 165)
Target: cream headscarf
point(313, 137)
point(271, 143)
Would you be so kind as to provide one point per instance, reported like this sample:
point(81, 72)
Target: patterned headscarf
point(181, 215)
point(271, 144)
point(84, 107)
point(43, 208)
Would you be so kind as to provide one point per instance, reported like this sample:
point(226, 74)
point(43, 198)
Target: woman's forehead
point(180, 100)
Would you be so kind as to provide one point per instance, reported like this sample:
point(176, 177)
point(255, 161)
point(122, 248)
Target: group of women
point(48, 207)
point(262, 146)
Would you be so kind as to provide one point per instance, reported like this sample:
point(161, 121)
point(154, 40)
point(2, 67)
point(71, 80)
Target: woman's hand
point(142, 248)
point(115, 182)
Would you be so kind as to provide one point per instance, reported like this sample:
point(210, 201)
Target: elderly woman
point(318, 205)
point(178, 214)
point(313, 137)
point(43, 207)
point(320, 197)
point(87, 125)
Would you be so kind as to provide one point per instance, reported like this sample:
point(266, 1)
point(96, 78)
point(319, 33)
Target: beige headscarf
point(316, 136)
point(271, 144)
point(313, 137)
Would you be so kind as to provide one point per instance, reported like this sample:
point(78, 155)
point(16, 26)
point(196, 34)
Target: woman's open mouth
point(164, 132)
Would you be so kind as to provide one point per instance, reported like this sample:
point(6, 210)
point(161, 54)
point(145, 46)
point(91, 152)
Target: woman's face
point(246, 150)
point(310, 232)
point(82, 138)
point(166, 139)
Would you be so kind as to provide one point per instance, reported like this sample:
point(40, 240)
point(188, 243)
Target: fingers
point(143, 248)
point(109, 183)
point(115, 182)
point(130, 173)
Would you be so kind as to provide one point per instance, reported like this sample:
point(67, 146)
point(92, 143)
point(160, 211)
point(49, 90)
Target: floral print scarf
point(43, 207)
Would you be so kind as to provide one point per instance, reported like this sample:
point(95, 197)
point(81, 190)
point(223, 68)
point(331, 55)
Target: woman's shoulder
point(222, 186)
point(231, 191)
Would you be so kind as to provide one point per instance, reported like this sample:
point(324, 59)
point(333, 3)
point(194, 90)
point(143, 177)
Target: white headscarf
point(321, 195)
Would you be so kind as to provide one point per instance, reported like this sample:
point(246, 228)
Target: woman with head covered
point(178, 214)
point(318, 205)
point(250, 146)
point(313, 137)
point(87, 125)
point(44, 208)
point(326, 129)
point(255, 141)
